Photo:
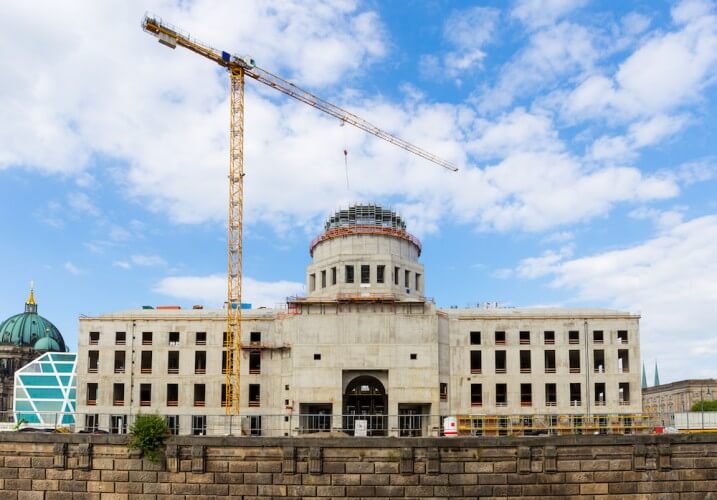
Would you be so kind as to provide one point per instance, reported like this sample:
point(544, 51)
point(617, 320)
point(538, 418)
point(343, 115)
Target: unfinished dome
point(365, 219)
point(365, 252)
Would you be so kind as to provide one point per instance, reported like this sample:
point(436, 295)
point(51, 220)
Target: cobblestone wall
point(55, 466)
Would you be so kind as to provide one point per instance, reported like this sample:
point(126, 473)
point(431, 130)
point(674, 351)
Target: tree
point(708, 406)
point(148, 433)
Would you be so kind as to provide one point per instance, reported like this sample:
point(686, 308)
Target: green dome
point(29, 329)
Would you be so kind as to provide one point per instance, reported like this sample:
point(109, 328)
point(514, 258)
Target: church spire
point(644, 376)
point(657, 375)
point(30, 304)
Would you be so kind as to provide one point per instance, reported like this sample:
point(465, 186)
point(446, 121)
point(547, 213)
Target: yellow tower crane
point(238, 67)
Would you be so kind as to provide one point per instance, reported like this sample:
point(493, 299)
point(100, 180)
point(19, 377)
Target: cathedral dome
point(29, 329)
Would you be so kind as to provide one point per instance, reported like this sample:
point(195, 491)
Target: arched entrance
point(366, 399)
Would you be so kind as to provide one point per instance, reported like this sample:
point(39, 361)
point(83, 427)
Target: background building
point(662, 402)
point(366, 343)
point(23, 337)
point(45, 391)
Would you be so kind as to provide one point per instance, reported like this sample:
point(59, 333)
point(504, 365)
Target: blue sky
point(583, 130)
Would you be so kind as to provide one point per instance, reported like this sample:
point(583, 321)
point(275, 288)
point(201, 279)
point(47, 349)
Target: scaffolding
point(557, 425)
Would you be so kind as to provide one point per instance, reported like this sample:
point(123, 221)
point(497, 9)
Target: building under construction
point(366, 351)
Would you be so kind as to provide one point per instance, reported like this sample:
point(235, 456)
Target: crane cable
point(346, 156)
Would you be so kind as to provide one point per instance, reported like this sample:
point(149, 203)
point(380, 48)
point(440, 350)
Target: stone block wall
point(57, 466)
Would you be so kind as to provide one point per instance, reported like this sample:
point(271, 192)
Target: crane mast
point(238, 67)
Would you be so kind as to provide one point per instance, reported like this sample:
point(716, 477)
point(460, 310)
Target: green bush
point(148, 433)
point(709, 406)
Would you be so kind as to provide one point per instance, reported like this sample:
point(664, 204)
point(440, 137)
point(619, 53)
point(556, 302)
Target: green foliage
point(148, 433)
point(709, 406)
point(19, 424)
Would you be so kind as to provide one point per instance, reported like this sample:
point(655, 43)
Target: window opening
point(549, 361)
point(146, 362)
point(200, 362)
point(525, 365)
point(254, 395)
point(622, 336)
point(118, 394)
point(91, 394)
point(199, 425)
point(173, 362)
point(574, 358)
point(501, 395)
point(254, 362)
point(600, 394)
point(476, 362)
point(500, 362)
point(623, 361)
point(365, 274)
point(551, 395)
point(199, 394)
point(380, 270)
point(526, 394)
point(576, 396)
point(624, 393)
point(172, 394)
point(599, 361)
point(93, 361)
point(476, 395)
point(145, 394)
point(173, 424)
point(120, 357)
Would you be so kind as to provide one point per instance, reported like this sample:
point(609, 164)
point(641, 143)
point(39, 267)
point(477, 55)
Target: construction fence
point(296, 425)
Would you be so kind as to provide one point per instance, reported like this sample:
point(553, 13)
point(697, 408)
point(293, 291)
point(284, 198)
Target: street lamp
point(702, 404)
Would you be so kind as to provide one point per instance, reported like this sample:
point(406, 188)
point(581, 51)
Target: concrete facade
point(366, 342)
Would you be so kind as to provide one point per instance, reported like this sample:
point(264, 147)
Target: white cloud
point(668, 70)
point(71, 268)
point(671, 279)
point(639, 135)
point(663, 219)
point(122, 264)
point(537, 13)
point(148, 260)
point(537, 191)
point(467, 31)
point(81, 202)
point(552, 56)
point(162, 115)
point(515, 132)
point(211, 290)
